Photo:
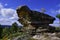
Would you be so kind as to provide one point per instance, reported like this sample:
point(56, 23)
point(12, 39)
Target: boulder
point(34, 18)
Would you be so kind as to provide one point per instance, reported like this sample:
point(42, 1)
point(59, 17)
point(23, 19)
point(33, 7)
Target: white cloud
point(54, 12)
point(1, 6)
point(55, 25)
point(58, 11)
point(7, 15)
point(56, 22)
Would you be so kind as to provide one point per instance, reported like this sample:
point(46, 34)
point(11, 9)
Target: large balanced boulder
point(34, 18)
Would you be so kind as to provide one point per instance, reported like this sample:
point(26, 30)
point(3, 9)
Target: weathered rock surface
point(47, 36)
point(34, 19)
point(40, 36)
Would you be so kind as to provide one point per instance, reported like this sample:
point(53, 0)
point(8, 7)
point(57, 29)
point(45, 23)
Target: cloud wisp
point(7, 15)
point(54, 13)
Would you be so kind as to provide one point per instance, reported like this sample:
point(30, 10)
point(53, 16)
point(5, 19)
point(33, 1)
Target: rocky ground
point(47, 36)
point(35, 20)
point(40, 36)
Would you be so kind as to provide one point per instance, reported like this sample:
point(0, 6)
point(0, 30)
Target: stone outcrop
point(34, 19)
point(47, 36)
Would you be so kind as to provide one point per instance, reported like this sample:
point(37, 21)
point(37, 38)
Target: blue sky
point(8, 9)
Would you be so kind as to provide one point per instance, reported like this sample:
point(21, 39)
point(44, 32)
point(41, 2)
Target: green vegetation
point(13, 32)
point(1, 30)
point(58, 16)
point(57, 28)
point(14, 28)
point(7, 32)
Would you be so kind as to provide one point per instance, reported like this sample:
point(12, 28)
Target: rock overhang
point(34, 15)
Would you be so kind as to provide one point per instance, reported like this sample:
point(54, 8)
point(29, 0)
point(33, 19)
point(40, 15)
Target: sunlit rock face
point(34, 18)
point(23, 11)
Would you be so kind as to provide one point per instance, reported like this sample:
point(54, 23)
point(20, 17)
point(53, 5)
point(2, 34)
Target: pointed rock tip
point(23, 6)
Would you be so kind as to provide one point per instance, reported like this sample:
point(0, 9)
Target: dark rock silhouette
point(34, 18)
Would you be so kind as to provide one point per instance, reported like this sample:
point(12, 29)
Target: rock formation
point(34, 19)
point(47, 36)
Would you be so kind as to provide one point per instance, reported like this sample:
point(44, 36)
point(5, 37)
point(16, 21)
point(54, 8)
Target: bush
point(57, 28)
